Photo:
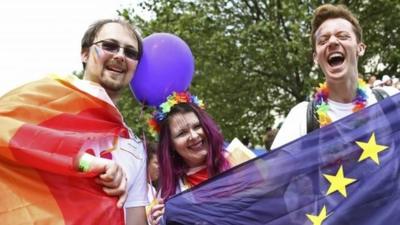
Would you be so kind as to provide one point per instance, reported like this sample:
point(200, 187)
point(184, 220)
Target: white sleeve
point(293, 127)
point(131, 156)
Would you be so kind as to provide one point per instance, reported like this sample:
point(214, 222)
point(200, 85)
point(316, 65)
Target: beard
point(115, 85)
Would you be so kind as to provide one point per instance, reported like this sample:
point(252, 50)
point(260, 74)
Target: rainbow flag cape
point(44, 125)
point(346, 173)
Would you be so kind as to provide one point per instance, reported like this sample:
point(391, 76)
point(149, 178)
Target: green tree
point(381, 26)
point(254, 59)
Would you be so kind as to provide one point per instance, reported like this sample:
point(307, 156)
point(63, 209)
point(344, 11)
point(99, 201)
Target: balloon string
point(153, 193)
point(143, 133)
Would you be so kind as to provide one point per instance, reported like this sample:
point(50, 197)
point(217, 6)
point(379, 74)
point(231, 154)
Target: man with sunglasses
point(60, 132)
point(110, 52)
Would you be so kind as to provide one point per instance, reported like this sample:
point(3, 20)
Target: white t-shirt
point(130, 155)
point(295, 124)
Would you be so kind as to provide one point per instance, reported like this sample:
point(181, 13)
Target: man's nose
point(333, 40)
point(120, 53)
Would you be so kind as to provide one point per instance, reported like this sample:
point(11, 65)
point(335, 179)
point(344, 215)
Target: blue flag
point(344, 173)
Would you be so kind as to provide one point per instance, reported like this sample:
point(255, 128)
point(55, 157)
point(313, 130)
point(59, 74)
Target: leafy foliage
point(254, 59)
point(135, 115)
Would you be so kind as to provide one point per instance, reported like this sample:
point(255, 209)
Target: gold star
point(317, 220)
point(338, 182)
point(370, 149)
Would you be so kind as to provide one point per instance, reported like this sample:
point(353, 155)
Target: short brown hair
point(329, 11)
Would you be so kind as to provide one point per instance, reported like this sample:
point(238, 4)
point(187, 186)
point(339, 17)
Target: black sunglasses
point(113, 47)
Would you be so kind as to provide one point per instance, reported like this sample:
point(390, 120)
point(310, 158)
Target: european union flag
point(344, 173)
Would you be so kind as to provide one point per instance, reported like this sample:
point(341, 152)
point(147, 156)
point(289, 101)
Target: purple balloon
point(167, 65)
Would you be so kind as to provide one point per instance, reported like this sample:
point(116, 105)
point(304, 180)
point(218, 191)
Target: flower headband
point(164, 108)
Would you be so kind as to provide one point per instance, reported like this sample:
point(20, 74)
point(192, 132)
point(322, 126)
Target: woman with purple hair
point(190, 148)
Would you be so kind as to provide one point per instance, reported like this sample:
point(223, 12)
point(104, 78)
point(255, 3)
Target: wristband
point(84, 162)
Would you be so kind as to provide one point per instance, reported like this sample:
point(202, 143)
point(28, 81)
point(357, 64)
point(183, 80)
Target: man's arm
point(136, 216)
point(293, 127)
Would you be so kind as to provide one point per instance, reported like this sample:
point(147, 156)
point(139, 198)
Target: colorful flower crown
point(162, 111)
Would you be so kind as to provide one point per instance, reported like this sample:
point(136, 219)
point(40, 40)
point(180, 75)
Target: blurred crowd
point(390, 84)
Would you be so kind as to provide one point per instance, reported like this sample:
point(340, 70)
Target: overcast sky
point(38, 37)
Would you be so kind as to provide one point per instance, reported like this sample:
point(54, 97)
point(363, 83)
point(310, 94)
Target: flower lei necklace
point(322, 106)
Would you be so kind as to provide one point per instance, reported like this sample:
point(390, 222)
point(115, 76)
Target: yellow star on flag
point(338, 182)
point(318, 220)
point(370, 149)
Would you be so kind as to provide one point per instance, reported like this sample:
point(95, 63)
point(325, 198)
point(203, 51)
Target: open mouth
point(336, 59)
point(196, 146)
